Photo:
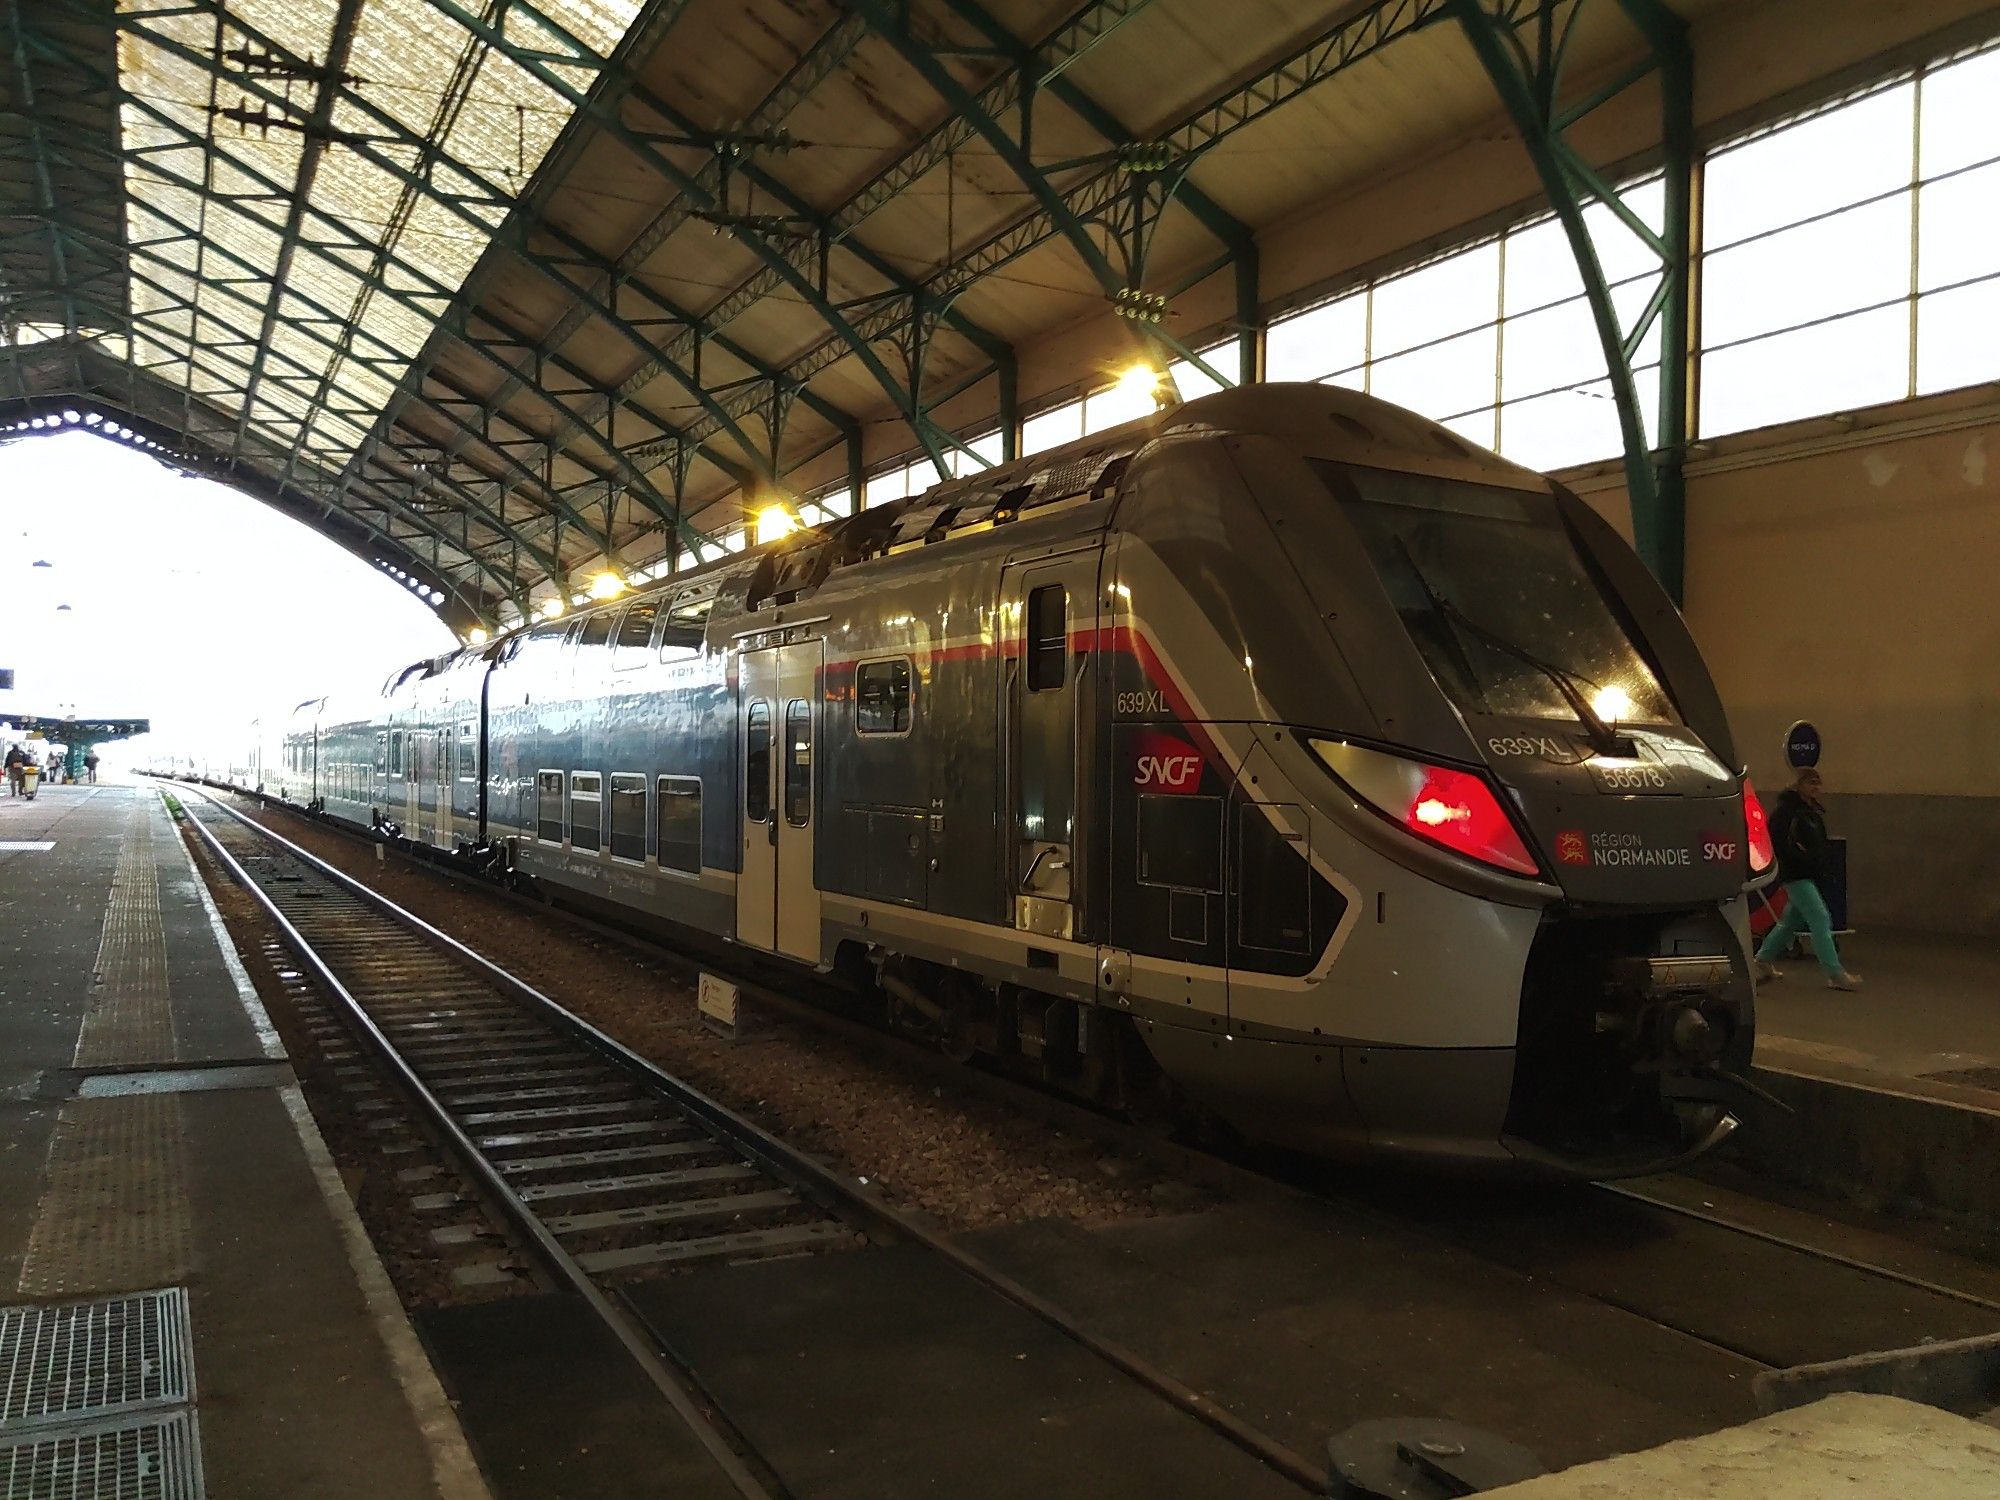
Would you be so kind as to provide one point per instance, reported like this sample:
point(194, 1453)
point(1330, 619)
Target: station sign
point(1802, 745)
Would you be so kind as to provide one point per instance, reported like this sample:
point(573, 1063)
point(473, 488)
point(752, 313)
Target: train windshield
point(1492, 590)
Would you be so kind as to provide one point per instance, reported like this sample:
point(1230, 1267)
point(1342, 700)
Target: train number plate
point(1630, 778)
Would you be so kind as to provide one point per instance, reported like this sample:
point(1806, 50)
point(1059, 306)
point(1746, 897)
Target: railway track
point(600, 1166)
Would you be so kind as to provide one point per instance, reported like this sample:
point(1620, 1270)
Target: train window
point(687, 624)
point(549, 806)
point(757, 763)
point(882, 696)
point(381, 752)
point(679, 812)
point(1273, 880)
point(628, 816)
point(586, 811)
point(798, 763)
point(635, 633)
point(397, 765)
point(1180, 842)
point(1048, 637)
point(597, 629)
point(468, 751)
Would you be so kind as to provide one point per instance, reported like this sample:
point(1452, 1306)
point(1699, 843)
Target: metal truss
point(1525, 63)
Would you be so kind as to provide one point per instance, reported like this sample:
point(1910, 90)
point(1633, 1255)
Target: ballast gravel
point(962, 1158)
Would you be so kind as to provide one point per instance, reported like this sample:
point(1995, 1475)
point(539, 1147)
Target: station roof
point(500, 292)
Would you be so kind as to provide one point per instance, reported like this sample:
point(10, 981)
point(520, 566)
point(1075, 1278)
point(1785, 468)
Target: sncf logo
point(1165, 764)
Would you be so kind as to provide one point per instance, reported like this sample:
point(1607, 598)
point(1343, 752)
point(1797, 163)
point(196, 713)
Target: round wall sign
point(1802, 745)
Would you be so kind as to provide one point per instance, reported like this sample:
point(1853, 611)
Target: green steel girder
point(1348, 39)
point(388, 358)
point(1524, 62)
point(646, 150)
point(378, 156)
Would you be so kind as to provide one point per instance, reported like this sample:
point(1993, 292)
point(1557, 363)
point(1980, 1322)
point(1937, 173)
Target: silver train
point(1282, 758)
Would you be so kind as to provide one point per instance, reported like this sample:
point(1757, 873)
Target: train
point(1282, 760)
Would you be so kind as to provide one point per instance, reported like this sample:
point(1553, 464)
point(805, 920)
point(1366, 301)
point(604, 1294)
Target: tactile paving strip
point(128, 1019)
point(130, 1458)
point(115, 1212)
point(72, 1361)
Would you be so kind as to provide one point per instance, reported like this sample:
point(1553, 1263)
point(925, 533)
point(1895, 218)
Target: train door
point(1049, 606)
point(778, 718)
point(447, 768)
point(413, 780)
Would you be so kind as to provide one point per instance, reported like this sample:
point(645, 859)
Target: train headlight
point(1757, 831)
point(1456, 810)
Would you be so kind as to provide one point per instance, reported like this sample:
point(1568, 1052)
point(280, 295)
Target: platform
point(167, 1205)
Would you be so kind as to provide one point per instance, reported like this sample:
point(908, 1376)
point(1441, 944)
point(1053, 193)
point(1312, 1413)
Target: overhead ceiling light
point(775, 521)
point(552, 609)
point(476, 636)
point(606, 586)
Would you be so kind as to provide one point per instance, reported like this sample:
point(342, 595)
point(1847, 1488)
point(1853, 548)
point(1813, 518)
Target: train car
point(1284, 755)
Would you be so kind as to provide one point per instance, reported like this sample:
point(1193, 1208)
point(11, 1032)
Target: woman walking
point(1798, 832)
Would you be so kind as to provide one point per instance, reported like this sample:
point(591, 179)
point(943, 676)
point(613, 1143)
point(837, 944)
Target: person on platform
point(1798, 834)
point(90, 766)
point(16, 758)
point(55, 768)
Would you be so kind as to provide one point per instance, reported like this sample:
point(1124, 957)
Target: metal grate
point(89, 1360)
point(130, 1458)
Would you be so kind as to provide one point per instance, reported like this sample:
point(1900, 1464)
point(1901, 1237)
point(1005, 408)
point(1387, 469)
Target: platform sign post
point(718, 1000)
point(1802, 745)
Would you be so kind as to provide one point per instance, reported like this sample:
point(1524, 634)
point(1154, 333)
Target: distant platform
point(185, 1292)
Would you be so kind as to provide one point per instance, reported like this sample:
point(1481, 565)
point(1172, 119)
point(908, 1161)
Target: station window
point(549, 806)
point(679, 812)
point(1273, 881)
point(882, 696)
point(1180, 842)
point(757, 763)
point(628, 816)
point(468, 750)
point(798, 763)
point(1048, 637)
point(586, 811)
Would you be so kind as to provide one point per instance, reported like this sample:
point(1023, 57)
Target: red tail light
point(1454, 809)
point(1757, 831)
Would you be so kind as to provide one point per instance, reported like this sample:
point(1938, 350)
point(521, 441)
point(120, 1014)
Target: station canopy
point(500, 293)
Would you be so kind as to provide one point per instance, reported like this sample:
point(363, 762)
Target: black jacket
point(1798, 833)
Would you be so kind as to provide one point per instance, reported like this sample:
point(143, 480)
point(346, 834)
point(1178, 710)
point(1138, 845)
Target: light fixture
point(1141, 382)
point(552, 609)
point(775, 521)
point(1612, 703)
point(606, 586)
point(476, 636)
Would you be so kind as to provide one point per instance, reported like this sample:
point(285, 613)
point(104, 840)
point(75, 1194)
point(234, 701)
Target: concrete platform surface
point(1929, 1014)
point(152, 1137)
point(1874, 1446)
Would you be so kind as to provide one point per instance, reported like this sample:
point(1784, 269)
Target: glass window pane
point(1318, 342)
point(1958, 227)
point(679, 814)
point(1048, 637)
point(1459, 292)
point(838, 502)
point(1620, 251)
point(1540, 267)
point(882, 696)
point(1052, 428)
point(798, 763)
point(1837, 366)
point(1832, 265)
point(1561, 428)
point(1833, 159)
point(1444, 380)
point(1961, 125)
point(757, 763)
point(628, 816)
point(1955, 337)
point(1121, 403)
point(1480, 427)
point(893, 485)
point(1545, 350)
point(1192, 383)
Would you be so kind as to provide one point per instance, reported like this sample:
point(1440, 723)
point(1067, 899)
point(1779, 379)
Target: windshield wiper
point(1603, 738)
